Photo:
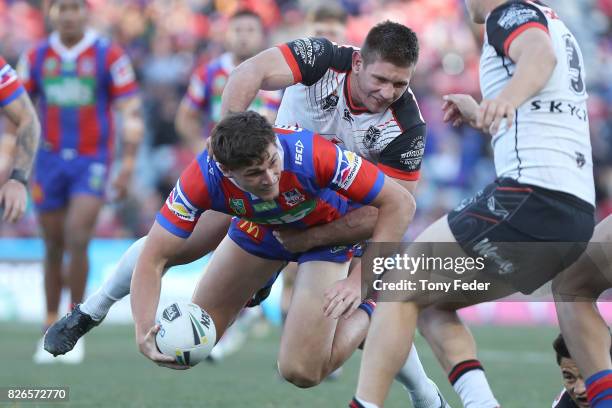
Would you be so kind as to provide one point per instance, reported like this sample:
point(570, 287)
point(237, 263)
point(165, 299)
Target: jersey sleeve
point(122, 76)
point(310, 58)
point(10, 85)
point(402, 158)
point(186, 202)
point(196, 92)
point(25, 72)
point(346, 172)
point(509, 20)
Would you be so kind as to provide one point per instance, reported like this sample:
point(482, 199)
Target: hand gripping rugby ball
point(187, 333)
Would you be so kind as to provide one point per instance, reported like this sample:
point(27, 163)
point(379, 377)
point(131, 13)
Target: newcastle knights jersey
point(320, 100)
point(206, 87)
point(10, 86)
point(548, 145)
point(76, 87)
point(313, 172)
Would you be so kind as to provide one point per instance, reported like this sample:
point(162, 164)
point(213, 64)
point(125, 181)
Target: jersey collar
point(71, 54)
point(349, 100)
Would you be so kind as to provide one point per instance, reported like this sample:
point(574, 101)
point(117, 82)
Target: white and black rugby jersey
point(320, 101)
point(548, 145)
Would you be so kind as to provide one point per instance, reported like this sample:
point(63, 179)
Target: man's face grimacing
point(379, 83)
point(573, 382)
point(260, 179)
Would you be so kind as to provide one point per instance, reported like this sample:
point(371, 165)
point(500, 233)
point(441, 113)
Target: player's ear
point(357, 61)
point(226, 172)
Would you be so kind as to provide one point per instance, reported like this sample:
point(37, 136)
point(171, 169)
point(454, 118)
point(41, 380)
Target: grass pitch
point(520, 365)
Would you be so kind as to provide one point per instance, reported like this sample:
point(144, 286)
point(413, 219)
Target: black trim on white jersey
point(505, 19)
point(406, 151)
point(314, 56)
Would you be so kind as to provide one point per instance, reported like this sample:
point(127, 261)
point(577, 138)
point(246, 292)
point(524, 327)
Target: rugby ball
point(187, 333)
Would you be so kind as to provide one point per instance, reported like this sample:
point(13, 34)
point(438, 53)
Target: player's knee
point(299, 374)
point(78, 241)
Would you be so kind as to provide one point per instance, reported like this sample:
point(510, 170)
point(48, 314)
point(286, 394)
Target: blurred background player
point(18, 145)
point(575, 393)
point(78, 77)
point(200, 108)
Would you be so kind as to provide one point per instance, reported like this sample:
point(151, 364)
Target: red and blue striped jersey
point(318, 183)
point(206, 87)
point(76, 87)
point(10, 85)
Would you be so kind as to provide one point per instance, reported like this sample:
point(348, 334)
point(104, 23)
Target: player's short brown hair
point(242, 139)
point(391, 42)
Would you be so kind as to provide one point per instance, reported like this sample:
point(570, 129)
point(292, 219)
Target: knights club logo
point(237, 206)
point(330, 102)
point(293, 197)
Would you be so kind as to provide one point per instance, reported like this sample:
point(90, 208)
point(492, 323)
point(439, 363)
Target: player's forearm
point(144, 290)
point(533, 70)
point(356, 226)
point(133, 132)
point(394, 216)
point(189, 129)
point(241, 88)
point(23, 123)
point(28, 136)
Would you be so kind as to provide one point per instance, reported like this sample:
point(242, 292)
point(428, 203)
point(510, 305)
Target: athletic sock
point(423, 392)
point(470, 383)
point(599, 389)
point(368, 306)
point(117, 286)
point(359, 403)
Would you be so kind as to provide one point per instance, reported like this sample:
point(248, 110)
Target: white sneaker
point(42, 356)
point(76, 355)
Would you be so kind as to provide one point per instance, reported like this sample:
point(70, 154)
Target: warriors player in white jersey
point(393, 137)
point(534, 107)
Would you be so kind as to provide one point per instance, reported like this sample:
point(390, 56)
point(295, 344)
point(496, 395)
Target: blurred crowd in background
point(167, 39)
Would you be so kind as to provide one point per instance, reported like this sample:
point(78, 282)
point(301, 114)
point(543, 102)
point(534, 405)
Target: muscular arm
point(535, 60)
point(160, 246)
point(23, 123)
point(133, 129)
point(356, 226)
point(189, 126)
point(268, 70)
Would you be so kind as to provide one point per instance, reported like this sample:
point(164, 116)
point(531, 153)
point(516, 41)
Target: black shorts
point(528, 234)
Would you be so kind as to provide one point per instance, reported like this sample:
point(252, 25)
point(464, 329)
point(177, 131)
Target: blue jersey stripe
point(378, 184)
point(170, 227)
point(11, 98)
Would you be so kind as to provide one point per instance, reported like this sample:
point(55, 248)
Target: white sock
point(412, 376)
point(474, 390)
point(117, 286)
point(365, 404)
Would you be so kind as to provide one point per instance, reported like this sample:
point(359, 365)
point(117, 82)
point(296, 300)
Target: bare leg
point(81, 220)
point(52, 224)
point(231, 278)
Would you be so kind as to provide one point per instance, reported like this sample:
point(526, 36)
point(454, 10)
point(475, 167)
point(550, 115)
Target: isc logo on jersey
point(178, 204)
point(7, 76)
point(348, 169)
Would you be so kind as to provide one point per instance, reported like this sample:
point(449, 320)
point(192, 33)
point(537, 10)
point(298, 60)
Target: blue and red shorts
point(60, 176)
point(258, 240)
